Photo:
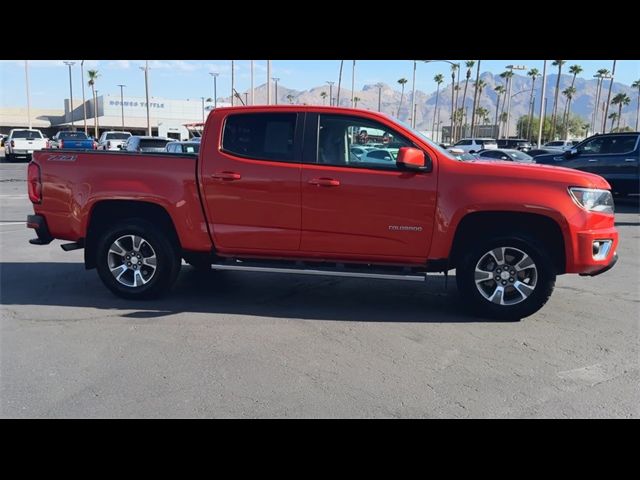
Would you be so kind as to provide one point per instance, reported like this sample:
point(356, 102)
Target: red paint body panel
point(260, 208)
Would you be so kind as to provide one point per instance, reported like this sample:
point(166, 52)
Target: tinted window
point(520, 156)
point(463, 142)
point(491, 154)
point(117, 136)
point(152, 143)
point(266, 136)
point(28, 134)
point(595, 145)
point(554, 144)
point(337, 133)
point(622, 144)
point(73, 135)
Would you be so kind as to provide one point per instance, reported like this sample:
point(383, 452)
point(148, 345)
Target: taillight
point(35, 185)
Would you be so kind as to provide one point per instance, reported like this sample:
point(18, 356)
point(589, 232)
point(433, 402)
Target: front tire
point(136, 260)
point(506, 277)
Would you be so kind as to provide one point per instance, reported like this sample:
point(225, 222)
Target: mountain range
point(582, 104)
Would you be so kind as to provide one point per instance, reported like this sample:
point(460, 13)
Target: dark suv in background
point(515, 144)
point(614, 156)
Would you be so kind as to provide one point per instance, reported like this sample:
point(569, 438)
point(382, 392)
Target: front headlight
point(593, 199)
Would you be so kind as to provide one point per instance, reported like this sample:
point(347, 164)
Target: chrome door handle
point(593, 159)
point(630, 159)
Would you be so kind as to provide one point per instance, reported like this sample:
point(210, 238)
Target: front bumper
point(39, 223)
point(613, 261)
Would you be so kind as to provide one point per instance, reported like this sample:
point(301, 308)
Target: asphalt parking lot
point(235, 344)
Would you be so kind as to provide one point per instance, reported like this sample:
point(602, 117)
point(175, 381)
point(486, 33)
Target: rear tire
point(506, 277)
point(148, 271)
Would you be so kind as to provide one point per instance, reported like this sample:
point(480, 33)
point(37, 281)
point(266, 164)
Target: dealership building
point(167, 117)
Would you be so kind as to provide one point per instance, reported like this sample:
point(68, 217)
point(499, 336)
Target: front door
point(361, 206)
point(251, 183)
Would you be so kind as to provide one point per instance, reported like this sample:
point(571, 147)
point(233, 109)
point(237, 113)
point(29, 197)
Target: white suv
point(112, 140)
point(562, 144)
point(474, 145)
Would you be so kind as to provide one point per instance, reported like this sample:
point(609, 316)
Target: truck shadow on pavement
point(241, 293)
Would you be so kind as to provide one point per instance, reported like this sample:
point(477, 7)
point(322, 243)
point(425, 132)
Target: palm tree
point(479, 86)
point(499, 89)
point(93, 77)
point(613, 116)
point(323, 95)
point(533, 73)
point(439, 78)
point(469, 64)
point(620, 99)
point(290, 98)
point(506, 76)
point(575, 70)
point(556, 63)
point(568, 92)
point(601, 74)
point(402, 82)
point(636, 84)
point(355, 101)
point(454, 69)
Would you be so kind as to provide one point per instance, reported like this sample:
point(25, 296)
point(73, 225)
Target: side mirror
point(411, 159)
point(571, 152)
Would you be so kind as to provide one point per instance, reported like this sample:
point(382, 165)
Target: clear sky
point(182, 79)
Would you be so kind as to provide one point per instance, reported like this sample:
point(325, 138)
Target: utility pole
point(70, 64)
point(26, 75)
point(122, 103)
point(330, 93)
point(543, 101)
point(413, 93)
point(232, 80)
point(202, 109)
point(146, 88)
point(379, 85)
point(84, 103)
point(275, 79)
point(268, 82)
point(475, 98)
point(353, 83)
point(606, 109)
point(511, 69)
point(214, 75)
point(251, 83)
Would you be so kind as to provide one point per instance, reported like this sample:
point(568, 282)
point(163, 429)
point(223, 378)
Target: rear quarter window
point(263, 136)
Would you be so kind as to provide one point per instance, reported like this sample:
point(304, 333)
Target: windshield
point(73, 135)
point(28, 134)
point(520, 156)
point(117, 136)
point(421, 136)
point(153, 143)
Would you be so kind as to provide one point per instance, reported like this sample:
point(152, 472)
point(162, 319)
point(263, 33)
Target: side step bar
point(415, 277)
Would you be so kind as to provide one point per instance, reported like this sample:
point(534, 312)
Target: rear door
point(357, 210)
point(251, 182)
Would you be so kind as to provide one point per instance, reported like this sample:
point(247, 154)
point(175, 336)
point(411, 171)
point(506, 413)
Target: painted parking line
point(12, 223)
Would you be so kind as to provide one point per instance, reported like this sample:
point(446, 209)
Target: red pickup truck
point(293, 189)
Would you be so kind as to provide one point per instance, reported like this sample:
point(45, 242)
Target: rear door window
point(262, 136)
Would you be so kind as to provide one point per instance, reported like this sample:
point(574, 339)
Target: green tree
point(323, 95)
point(620, 99)
point(525, 124)
point(93, 76)
point(500, 90)
point(290, 98)
point(636, 84)
point(613, 116)
point(574, 70)
point(355, 101)
point(439, 78)
point(454, 69)
point(402, 81)
point(568, 92)
point(554, 115)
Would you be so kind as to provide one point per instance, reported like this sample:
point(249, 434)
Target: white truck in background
point(112, 140)
point(22, 142)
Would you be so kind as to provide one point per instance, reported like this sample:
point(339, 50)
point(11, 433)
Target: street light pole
point(275, 79)
point(214, 75)
point(606, 108)
point(511, 69)
point(543, 100)
point(70, 64)
point(122, 103)
point(26, 76)
point(475, 100)
point(379, 85)
point(330, 93)
point(84, 103)
point(202, 109)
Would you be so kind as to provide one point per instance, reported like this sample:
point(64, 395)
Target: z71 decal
point(62, 158)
